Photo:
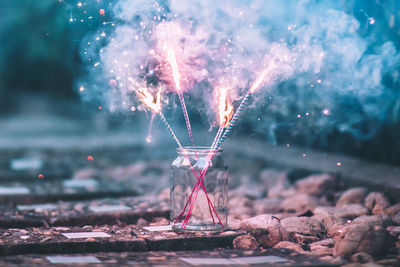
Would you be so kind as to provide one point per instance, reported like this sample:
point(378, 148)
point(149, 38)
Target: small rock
point(90, 239)
point(376, 202)
point(239, 201)
point(396, 218)
point(303, 225)
point(24, 237)
point(246, 242)
point(323, 247)
point(241, 212)
point(304, 239)
point(45, 239)
point(289, 245)
point(251, 191)
point(361, 257)
point(267, 205)
point(392, 210)
point(164, 195)
point(333, 224)
point(362, 238)
point(299, 203)
point(160, 221)
point(347, 211)
point(142, 222)
point(352, 196)
point(317, 185)
point(374, 220)
point(275, 182)
point(266, 229)
point(394, 230)
point(87, 227)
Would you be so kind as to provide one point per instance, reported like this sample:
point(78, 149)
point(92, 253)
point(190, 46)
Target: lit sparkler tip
point(171, 58)
point(225, 108)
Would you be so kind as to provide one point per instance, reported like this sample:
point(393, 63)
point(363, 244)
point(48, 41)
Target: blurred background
point(41, 62)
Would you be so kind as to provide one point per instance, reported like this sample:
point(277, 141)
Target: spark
point(82, 88)
point(90, 158)
point(40, 176)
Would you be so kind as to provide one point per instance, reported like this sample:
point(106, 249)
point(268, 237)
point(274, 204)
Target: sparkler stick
point(170, 129)
point(177, 78)
point(234, 119)
point(225, 112)
point(210, 205)
point(232, 123)
point(260, 79)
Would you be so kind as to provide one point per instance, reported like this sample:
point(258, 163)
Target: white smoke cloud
point(316, 57)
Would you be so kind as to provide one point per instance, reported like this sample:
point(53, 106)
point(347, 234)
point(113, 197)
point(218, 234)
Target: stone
point(304, 239)
point(323, 247)
point(241, 212)
point(303, 225)
point(267, 205)
point(164, 195)
point(347, 211)
point(239, 201)
point(354, 238)
point(142, 222)
point(352, 196)
point(246, 242)
point(160, 221)
point(275, 182)
point(396, 218)
point(394, 230)
point(332, 224)
point(251, 191)
point(361, 257)
point(289, 245)
point(317, 185)
point(299, 203)
point(267, 229)
point(392, 210)
point(376, 202)
point(374, 220)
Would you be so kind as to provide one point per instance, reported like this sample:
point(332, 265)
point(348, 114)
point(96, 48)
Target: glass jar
point(208, 211)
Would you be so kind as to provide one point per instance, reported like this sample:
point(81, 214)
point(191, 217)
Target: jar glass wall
point(208, 212)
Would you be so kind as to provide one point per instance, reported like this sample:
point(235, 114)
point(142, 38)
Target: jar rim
point(197, 149)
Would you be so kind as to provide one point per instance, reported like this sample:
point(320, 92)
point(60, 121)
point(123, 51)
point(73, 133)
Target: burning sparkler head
point(154, 104)
point(225, 107)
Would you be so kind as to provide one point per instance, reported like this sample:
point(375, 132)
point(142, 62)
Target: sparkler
point(171, 58)
point(155, 106)
point(177, 80)
point(258, 82)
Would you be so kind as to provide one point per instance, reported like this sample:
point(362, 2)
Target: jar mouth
point(197, 149)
